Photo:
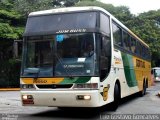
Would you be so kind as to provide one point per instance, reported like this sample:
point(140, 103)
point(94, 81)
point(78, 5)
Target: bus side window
point(126, 41)
point(117, 34)
point(105, 57)
point(133, 45)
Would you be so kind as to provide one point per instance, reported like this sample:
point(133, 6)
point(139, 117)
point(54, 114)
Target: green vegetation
point(11, 28)
point(13, 15)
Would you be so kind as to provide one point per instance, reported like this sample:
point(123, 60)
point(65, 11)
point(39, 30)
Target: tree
point(27, 6)
point(11, 22)
point(11, 28)
point(122, 12)
point(147, 27)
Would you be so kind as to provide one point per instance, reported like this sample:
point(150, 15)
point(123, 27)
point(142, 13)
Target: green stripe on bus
point(129, 70)
point(75, 80)
point(83, 79)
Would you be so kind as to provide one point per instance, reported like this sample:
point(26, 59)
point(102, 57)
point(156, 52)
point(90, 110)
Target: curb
point(9, 89)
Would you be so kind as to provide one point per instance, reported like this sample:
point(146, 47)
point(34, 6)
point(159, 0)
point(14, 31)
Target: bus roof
point(66, 10)
point(156, 68)
point(87, 8)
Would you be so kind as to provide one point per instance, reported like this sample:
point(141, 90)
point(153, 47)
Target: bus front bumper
point(83, 98)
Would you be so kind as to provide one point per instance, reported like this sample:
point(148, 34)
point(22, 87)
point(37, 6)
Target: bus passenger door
point(105, 58)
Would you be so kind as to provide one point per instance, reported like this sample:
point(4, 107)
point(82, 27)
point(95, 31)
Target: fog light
point(83, 97)
point(87, 97)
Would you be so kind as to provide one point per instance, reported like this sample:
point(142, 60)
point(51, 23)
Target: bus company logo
point(39, 81)
point(71, 31)
point(117, 60)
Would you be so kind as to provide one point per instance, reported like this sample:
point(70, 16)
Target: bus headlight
point(157, 78)
point(86, 86)
point(27, 86)
point(27, 99)
point(24, 97)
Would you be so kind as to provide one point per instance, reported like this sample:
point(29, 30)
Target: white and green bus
point(81, 57)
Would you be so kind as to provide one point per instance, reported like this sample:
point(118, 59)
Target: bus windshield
point(52, 23)
point(60, 55)
point(157, 73)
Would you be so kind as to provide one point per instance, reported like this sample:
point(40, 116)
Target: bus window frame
point(128, 48)
point(121, 40)
point(100, 36)
point(137, 41)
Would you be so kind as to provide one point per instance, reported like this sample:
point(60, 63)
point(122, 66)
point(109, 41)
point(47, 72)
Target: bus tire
point(143, 92)
point(115, 104)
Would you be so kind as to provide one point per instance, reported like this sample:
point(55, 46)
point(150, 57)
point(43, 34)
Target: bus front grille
point(54, 86)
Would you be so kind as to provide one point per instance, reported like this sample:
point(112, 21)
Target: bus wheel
point(143, 92)
point(116, 97)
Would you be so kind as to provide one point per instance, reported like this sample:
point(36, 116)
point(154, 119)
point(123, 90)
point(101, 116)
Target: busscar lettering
point(63, 31)
point(71, 31)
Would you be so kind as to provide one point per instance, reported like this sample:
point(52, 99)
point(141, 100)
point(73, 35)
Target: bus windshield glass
point(157, 73)
point(52, 23)
point(60, 55)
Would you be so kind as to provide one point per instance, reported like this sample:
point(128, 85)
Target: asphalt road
point(11, 108)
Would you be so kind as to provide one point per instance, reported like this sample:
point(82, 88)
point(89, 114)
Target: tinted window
point(76, 45)
point(105, 57)
point(52, 23)
point(133, 45)
point(139, 48)
point(143, 50)
point(104, 24)
point(126, 40)
point(117, 35)
point(148, 54)
point(60, 55)
point(38, 59)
